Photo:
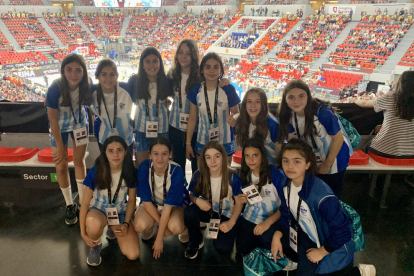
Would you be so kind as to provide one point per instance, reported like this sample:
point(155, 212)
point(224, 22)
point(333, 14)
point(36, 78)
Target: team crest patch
point(122, 106)
point(303, 211)
point(220, 104)
point(199, 104)
point(267, 192)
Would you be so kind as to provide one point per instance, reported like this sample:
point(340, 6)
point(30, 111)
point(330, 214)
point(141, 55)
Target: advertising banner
point(350, 69)
point(341, 9)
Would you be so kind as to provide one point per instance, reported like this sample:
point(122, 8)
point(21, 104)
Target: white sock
point(81, 189)
point(67, 194)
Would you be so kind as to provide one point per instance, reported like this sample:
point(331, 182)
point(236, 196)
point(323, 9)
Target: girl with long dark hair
point(66, 100)
point(105, 202)
point(150, 89)
point(314, 121)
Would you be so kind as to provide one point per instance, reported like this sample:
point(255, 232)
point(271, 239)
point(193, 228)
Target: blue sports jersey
point(100, 198)
point(65, 117)
point(175, 109)
point(124, 109)
point(176, 191)
point(227, 97)
point(140, 114)
point(270, 194)
point(228, 202)
point(327, 124)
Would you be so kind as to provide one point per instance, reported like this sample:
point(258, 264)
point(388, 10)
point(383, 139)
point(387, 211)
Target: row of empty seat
point(408, 58)
point(14, 57)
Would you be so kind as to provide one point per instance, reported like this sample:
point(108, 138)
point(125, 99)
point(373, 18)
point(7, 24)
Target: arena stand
point(313, 37)
point(27, 30)
point(408, 59)
point(60, 54)
point(11, 57)
point(103, 24)
point(67, 29)
point(87, 2)
point(4, 43)
point(372, 41)
point(26, 2)
point(13, 88)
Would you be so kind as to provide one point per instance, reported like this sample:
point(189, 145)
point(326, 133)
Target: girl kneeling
point(261, 191)
point(313, 229)
point(212, 196)
point(108, 184)
point(162, 191)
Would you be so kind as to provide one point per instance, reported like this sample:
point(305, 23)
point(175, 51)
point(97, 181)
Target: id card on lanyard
point(164, 189)
point(151, 127)
point(80, 134)
point(213, 133)
point(318, 156)
point(114, 131)
point(293, 229)
point(111, 212)
point(213, 225)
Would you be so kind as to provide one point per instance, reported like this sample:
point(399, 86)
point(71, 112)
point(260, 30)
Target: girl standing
point(314, 121)
point(213, 105)
point(313, 230)
point(162, 191)
point(108, 184)
point(185, 75)
point(150, 88)
point(261, 190)
point(255, 121)
point(112, 103)
point(212, 196)
point(65, 101)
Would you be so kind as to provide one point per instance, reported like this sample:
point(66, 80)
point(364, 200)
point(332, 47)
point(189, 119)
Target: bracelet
point(126, 223)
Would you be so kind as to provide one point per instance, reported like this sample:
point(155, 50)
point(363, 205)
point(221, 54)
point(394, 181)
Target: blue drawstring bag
point(260, 262)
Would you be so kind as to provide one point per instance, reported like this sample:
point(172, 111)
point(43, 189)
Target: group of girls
point(204, 112)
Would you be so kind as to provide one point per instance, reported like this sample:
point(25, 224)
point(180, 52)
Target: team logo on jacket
point(220, 104)
point(303, 211)
point(122, 106)
point(267, 192)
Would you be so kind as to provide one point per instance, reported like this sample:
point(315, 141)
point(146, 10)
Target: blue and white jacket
point(327, 224)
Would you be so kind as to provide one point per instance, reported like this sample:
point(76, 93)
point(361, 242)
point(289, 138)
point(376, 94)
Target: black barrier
point(37, 72)
point(348, 68)
point(30, 64)
point(28, 117)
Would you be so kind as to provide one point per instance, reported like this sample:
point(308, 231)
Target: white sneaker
point(291, 266)
point(183, 237)
point(148, 234)
point(367, 270)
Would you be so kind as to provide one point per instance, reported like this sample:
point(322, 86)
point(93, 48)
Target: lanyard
point(298, 133)
point(115, 108)
point(208, 105)
point(210, 199)
point(298, 211)
point(116, 193)
point(164, 185)
point(157, 105)
point(259, 188)
point(180, 101)
point(80, 111)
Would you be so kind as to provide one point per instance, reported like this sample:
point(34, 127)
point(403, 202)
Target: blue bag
point(260, 262)
point(357, 235)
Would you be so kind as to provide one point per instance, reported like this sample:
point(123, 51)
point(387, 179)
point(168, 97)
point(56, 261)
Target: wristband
point(126, 223)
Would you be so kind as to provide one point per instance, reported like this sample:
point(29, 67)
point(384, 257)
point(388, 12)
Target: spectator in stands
point(324, 135)
point(113, 170)
point(150, 89)
point(398, 109)
point(67, 117)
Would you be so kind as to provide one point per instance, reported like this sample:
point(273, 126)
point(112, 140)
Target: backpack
point(260, 262)
point(350, 130)
point(357, 233)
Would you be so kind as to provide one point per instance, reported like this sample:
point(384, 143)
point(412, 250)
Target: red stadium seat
point(18, 154)
point(45, 155)
point(359, 158)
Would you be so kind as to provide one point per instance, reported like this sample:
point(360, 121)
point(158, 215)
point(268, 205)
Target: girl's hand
point(60, 155)
point(158, 248)
point(261, 228)
point(88, 241)
point(231, 120)
point(204, 205)
point(316, 254)
point(224, 82)
point(189, 152)
point(226, 226)
point(243, 198)
point(324, 168)
point(123, 229)
point(276, 247)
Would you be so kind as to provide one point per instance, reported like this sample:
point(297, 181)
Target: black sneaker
point(191, 253)
point(71, 217)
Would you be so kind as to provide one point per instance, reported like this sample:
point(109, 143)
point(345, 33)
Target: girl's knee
point(140, 226)
point(176, 228)
point(62, 168)
point(132, 255)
